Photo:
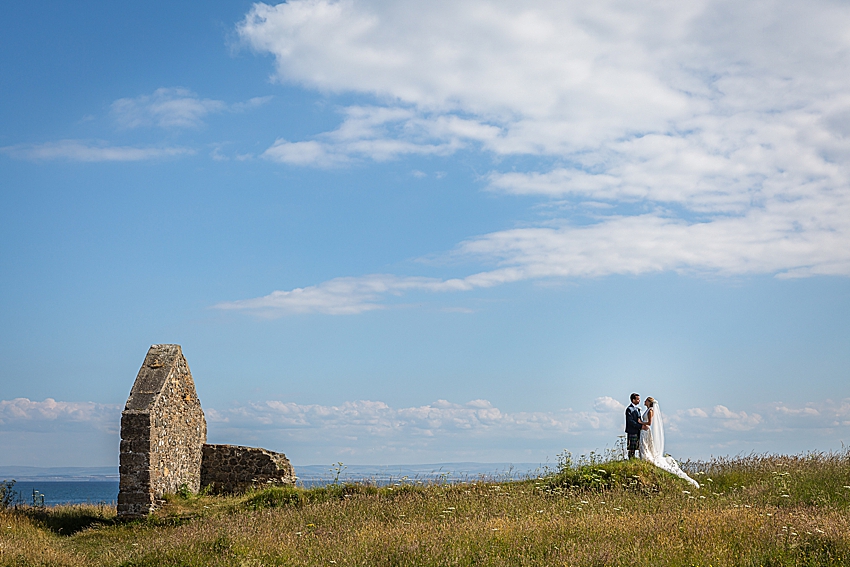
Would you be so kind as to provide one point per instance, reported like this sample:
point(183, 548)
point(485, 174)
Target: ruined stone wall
point(233, 469)
point(163, 436)
point(162, 432)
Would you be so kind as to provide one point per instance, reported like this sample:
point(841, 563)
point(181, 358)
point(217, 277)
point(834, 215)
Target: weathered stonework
point(233, 469)
point(162, 432)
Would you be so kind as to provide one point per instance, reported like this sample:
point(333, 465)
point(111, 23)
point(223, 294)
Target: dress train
point(652, 449)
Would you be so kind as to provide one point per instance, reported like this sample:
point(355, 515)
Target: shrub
point(274, 497)
point(633, 475)
point(7, 494)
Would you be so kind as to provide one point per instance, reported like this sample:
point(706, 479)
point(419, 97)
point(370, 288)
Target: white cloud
point(372, 431)
point(301, 153)
point(556, 77)
point(85, 151)
point(536, 59)
point(717, 132)
point(22, 414)
point(174, 108)
point(828, 414)
point(608, 404)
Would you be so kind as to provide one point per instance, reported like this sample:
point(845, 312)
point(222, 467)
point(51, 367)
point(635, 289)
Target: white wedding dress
point(652, 446)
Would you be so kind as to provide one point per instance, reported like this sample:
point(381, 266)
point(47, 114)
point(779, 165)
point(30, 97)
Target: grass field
point(758, 511)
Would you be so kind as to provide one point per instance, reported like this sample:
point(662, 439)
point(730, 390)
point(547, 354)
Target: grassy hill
point(759, 511)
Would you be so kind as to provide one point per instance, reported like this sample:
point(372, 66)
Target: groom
point(633, 425)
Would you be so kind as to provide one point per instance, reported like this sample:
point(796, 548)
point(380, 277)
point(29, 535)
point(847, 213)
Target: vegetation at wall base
point(759, 510)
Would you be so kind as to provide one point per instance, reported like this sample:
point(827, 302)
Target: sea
point(66, 492)
point(99, 485)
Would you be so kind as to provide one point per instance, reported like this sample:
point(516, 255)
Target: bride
point(652, 441)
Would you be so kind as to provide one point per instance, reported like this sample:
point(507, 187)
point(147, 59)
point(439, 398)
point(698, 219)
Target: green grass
point(752, 511)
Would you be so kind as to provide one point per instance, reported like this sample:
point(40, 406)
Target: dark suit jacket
point(632, 418)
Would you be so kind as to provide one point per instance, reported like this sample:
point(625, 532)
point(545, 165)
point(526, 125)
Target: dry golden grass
point(768, 511)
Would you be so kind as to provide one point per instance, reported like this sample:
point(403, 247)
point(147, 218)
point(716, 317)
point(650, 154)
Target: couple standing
point(645, 432)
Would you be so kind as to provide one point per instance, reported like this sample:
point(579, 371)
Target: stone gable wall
point(162, 431)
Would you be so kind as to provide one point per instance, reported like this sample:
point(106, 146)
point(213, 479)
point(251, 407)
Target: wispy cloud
point(174, 108)
point(340, 296)
point(169, 108)
point(776, 241)
point(370, 431)
point(440, 418)
point(828, 416)
point(88, 151)
point(374, 133)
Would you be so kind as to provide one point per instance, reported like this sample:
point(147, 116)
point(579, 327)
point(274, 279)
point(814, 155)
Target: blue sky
point(391, 232)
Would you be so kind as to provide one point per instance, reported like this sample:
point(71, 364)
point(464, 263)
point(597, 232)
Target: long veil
point(657, 428)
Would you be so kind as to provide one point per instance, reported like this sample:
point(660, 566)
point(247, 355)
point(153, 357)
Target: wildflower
point(311, 525)
point(540, 511)
point(786, 496)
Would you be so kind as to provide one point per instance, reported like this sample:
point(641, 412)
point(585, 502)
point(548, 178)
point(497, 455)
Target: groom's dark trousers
point(633, 428)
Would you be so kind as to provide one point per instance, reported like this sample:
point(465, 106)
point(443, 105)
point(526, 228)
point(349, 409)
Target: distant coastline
point(306, 473)
point(59, 474)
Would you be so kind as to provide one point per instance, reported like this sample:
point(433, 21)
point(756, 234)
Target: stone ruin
point(163, 442)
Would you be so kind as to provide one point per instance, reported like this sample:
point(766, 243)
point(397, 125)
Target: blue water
point(68, 492)
point(106, 491)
